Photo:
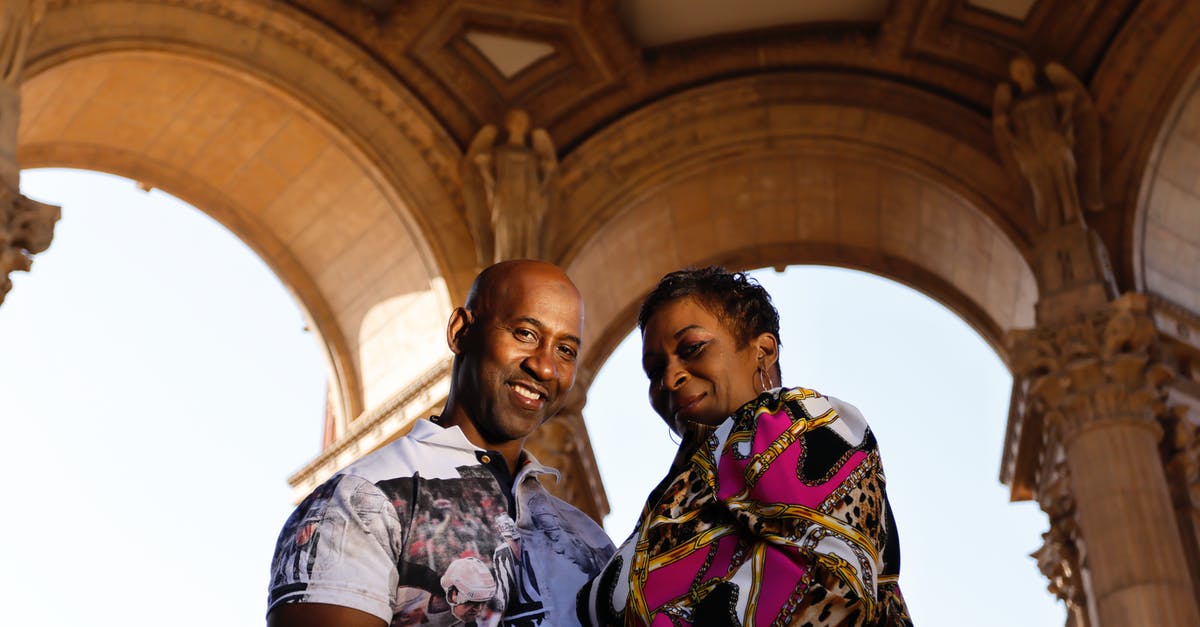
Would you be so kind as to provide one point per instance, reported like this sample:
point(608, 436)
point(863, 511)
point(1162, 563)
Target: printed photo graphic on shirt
point(454, 530)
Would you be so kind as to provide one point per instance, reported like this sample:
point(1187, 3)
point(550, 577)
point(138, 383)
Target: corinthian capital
point(1098, 369)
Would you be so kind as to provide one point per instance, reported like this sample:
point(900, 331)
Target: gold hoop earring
point(762, 380)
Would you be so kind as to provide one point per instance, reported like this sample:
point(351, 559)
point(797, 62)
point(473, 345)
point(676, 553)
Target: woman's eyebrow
point(686, 329)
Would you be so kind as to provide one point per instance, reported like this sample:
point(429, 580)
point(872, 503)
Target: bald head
point(517, 275)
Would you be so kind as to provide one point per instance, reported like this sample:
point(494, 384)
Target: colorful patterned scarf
point(778, 516)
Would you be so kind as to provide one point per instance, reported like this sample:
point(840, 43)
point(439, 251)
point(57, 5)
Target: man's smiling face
point(520, 352)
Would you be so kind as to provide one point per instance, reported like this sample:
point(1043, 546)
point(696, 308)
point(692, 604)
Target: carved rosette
point(1098, 370)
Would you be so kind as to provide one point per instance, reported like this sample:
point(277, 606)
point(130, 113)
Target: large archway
point(937, 397)
point(302, 194)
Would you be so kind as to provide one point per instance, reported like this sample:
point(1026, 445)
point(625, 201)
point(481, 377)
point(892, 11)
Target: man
point(369, 547)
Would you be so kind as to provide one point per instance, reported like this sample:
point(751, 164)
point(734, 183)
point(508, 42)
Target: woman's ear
point(767, 347)
point(460, 323)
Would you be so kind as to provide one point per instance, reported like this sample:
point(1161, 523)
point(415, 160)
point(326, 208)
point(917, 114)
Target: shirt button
point(485, 459)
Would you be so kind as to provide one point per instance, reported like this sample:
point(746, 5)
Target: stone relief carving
point(509, 188)
point(1050, 136)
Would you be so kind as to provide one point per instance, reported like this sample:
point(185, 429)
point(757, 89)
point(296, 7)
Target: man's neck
point(511, 450)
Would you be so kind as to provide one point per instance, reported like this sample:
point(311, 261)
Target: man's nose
point(541, 364)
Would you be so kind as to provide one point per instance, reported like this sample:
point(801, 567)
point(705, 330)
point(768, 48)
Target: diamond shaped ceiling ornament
point(1016, 9)
point(509, 55)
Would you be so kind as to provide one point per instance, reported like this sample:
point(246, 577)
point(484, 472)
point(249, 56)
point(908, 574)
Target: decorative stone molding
point(385, 423)
point(26, 228)
point(26, 225)
point(1060, 558)
point(1100, 369)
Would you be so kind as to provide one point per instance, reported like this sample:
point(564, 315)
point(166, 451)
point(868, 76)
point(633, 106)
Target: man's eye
point(567, 352)
point(525, 335)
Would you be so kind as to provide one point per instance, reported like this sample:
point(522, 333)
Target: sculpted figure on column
point(1049, 136)
point(26, 226)
point(509, 189)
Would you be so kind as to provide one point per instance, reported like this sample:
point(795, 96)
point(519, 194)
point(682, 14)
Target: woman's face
point(696, 369)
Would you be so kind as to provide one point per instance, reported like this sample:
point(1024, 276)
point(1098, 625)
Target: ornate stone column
point(26, 226)
point(1098, 389)
point(562, 443)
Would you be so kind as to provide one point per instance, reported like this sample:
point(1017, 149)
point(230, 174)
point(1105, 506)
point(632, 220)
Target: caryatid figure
point(509, 190)
point(1049, 136)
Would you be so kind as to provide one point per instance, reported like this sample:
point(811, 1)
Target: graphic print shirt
point(419, 533)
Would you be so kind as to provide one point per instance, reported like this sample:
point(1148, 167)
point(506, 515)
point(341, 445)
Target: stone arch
point(289, 137)
point(798, 168)
point(1146, 93)
point(1166, 230)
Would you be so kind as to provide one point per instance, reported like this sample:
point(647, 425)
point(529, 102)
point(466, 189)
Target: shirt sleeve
point(340, 547)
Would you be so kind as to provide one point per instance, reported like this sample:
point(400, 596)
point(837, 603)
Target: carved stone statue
point(26, 226)
point(509, 189)
point(1050, 136)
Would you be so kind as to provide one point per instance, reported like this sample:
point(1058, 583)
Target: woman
point(774, 510)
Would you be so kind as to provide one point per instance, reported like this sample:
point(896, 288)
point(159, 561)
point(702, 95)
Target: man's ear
point(460, 323)
point(767, 347)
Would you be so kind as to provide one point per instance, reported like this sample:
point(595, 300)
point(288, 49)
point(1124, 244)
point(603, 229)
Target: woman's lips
point(687, 403)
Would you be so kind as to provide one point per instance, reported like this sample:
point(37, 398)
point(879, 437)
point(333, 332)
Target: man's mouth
point(527, 396)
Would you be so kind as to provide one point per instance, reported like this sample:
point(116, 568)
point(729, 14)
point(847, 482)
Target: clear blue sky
point(157, 387)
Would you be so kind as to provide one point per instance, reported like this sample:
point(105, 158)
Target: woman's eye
point(691, 350)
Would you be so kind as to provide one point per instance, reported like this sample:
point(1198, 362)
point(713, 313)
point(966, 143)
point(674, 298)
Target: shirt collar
point(431, 433)
point(427, 431)
point(531, 466)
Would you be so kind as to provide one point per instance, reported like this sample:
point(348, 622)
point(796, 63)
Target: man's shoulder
point(423, 450)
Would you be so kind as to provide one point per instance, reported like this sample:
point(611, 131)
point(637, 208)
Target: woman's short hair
point(737, 300)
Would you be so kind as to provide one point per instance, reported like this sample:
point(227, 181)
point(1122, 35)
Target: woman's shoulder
point(810, 407)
